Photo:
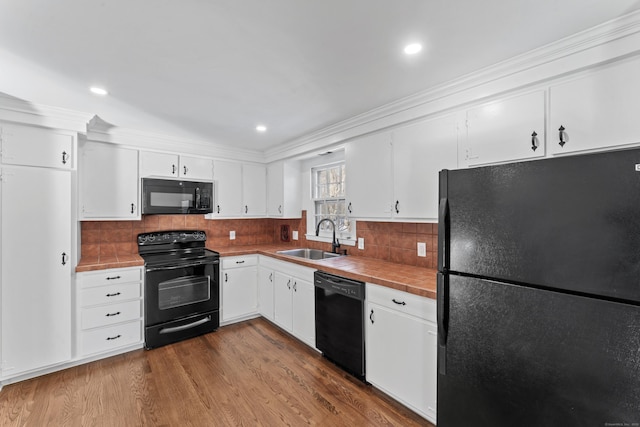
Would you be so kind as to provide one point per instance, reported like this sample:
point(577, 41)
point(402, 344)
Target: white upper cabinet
point(597, 110)
point(108, 182)
point(176, 166)
point(505, 130)
point(196, 168)
point(254, 190)
point(369, 176)
point(283, 190)
point(45, 147)
point(241, 189)
point(228, 192)
point(420, 151)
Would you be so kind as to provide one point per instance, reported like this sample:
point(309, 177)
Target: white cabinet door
point(283, 309)
point(275, 189)
point(505, 130)
point(266, 281)
point(159, 164)
point(36, 283)
point(303, 313)
point(284, 190)
point(228, 182)
point(401, 357)
point(239, 292)
point(598, 110)
point(32, 146)
point(254, 190)
point(196, 168)
point(370, 178)
point(420, 151)
point(108, 181)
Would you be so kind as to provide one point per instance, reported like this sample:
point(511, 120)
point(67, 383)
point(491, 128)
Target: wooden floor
point(247, 374)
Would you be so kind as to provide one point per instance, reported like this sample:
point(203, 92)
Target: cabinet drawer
point(104, 339)
point(109, 277)
point(109, 294)
point(422, 307)
point(109, 314)
point(239, 261)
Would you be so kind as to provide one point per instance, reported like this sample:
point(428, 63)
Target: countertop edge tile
point(414, 280)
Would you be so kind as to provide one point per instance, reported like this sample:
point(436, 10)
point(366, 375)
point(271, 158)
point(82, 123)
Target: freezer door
point(516, 356)
point(571, 223)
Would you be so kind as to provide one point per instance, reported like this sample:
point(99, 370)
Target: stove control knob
point(142, 239)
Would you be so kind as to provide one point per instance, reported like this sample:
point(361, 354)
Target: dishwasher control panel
point(342, 285)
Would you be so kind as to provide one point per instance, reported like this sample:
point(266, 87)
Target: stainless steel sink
point(309, 253)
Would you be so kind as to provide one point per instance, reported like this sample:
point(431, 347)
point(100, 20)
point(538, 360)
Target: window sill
point(343, 240)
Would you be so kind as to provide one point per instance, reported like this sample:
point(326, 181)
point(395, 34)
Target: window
point(328, 193)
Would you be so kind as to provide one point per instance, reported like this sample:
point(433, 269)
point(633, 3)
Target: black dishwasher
point(340, 321)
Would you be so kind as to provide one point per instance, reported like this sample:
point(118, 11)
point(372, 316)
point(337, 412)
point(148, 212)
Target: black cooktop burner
point(169, 248)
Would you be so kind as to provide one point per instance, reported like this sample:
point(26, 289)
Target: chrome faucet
point(335, 244)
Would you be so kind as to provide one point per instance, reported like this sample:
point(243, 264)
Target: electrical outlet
point(360, 242)
point(422, 249)
point(232, 235)
point(294, 235)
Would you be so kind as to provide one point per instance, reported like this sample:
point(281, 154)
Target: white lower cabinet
point(401, 347)
point(266, 280)
point(239, 278)
point(109, 310)
point(293, 299)
point(35, 271)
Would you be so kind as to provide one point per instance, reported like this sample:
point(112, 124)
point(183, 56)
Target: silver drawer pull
point(187, 326)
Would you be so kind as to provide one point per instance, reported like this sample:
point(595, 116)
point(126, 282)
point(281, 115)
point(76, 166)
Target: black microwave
point(166, 196)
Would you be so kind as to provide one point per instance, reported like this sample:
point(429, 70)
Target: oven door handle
point(175, 267)
point(187, 326)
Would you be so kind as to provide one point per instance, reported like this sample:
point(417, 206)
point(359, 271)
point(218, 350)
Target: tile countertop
point(415, 280)
point(407, 278)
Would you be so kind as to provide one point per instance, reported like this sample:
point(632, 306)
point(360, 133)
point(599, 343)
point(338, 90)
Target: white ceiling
point(211, 70)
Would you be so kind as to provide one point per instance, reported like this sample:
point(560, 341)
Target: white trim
point(20, 111)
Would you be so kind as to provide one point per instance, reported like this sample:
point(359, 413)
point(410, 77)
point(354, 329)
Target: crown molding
point(101, 131)
point(17, 110)
point(621, 37)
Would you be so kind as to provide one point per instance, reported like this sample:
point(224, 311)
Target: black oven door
point(179, 291)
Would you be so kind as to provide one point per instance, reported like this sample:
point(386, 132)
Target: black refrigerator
point(539, 293)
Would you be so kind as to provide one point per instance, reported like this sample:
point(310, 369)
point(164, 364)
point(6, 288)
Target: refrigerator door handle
point(443, 320)
point(443, 235)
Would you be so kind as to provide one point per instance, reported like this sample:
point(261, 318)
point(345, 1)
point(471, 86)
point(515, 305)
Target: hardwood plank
point(247, 374)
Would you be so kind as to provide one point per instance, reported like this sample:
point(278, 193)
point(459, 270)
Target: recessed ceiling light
point(261, 128)
point(413, 48)
point(98, 90)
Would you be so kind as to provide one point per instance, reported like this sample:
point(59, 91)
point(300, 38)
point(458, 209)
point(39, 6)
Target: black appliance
point(182, 293)
point(539, 293)
point(339, 313)
point(167, 196)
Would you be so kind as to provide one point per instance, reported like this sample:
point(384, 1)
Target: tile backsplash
point(388, 241)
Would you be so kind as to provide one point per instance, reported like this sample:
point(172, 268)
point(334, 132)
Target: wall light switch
point(294, 234)
point(232, 235)
point(422, 249)
point(360, 242)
